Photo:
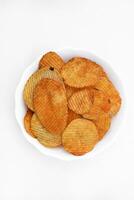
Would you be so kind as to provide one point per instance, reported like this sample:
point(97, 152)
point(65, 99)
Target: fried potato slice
point(103, 124)
point(50, 105)
point(80, 72)
point(72, 115)
point(33, 80)
point(100, 104)
point(116, 104)
point(101, 100)
point(94, 113)
point(108, 88)
point(27, 122)
point(70, 90)
point(51, 59)
point(43, 136)
point(80, 137)
point(80, 101)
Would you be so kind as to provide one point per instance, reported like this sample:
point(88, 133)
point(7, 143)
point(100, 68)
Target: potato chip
point(72, 115)
point(27, 122)
point(94, 113)
point(100, 104)
point(108, 88)
point(101, 100)
point(50, 105)
point(44, 137)
point(103, 124)
point(80, 102)
point(70, 91)
point(105, 86)
point(100, 72)
point(80, 137)
point(51, 59)
point(80, 72)
point(115, 105)
point(33, 80)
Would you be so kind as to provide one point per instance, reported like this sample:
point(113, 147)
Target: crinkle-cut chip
point(33, 80)
point(70, 91)
point(43, 136)
point(53, 74)
point(72, 115)
point(80, 102)
point(101, 100)
point(50, 105)
point(94, 113)
point(27, 122)
point(80, 137)
point(115, 105)
point(51, 59)
point(107, 87)
point(100, 72)
point(103, 124)
point(80, 72)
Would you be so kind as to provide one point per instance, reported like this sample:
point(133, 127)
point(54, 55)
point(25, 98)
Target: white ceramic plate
point(20, 108)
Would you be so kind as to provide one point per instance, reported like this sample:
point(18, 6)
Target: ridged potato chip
point(70, 91)
point(100, 72)
point(115, 105)
point(80, 102)
point(43, 136)
point(80, 137)
point(103, 124)
point(72, 115)
point(100, 104)
point(80, 72)
point(108, 88)
point(27, 122)
point(50, 105)
point(94, 113)
point(51, 59)
point(101, 100)
point(33, 80)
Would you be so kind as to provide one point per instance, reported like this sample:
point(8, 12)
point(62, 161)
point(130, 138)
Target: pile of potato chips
point(69, 104)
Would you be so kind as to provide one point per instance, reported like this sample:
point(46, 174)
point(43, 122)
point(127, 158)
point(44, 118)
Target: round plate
point(20, 108)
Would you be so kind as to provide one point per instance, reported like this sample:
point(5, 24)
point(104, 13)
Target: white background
point(27, 29)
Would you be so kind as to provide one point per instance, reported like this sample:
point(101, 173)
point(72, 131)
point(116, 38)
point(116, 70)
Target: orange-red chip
point(108, 88)
point(80, 72)
point(103, 124)
point(80, 102)
point(27, 122)
point(80, 137)
point(72, 115)
point(70, 91)
point(51, 59)
point(101, 100)
point(33, 80)
point(50, 105)
point(94, 113)
point(43, 136)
